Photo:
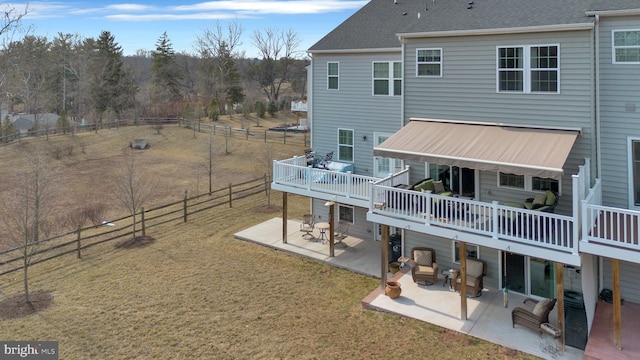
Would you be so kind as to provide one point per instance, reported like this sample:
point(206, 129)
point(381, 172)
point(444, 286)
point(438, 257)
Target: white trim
point(353, 145)
point(630, 141)
point(532, 127)
point(391, 79)
point(626, 12)
point(528, 184)
point(353, 213)
point(527, 69)
point(357, 51)
point(613, 48)
point(511, 30)
point(329, 76)
point(418, 63)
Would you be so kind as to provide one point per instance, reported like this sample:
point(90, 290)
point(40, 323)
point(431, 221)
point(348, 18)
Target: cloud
point(225, 9)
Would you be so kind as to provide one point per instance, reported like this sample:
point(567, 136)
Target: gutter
point(355, 51)
point(626, 12)
point(512, 30)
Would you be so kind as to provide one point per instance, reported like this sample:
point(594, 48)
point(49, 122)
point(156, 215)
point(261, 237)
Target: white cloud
point(225, 9)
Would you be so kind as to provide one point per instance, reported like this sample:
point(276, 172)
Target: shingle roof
point(378, 23)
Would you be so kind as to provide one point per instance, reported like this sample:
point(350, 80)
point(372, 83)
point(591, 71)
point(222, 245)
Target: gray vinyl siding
point(444, 255)
point(467, 91)
point(629, 284)
point(360, 228)
point(619, 86)
point(352, 106)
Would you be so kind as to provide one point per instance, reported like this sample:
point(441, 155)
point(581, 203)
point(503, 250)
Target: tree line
point(90, 80)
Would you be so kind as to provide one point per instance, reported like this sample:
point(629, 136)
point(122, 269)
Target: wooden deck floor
point(600, 345)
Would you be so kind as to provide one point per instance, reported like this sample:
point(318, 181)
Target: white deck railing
point(294, 172)
point(490, 219)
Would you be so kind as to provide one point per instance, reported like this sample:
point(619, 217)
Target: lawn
point(198, 293)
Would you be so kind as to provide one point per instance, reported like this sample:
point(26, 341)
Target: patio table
point(323, 227)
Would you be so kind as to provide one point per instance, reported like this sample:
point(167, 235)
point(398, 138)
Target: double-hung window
point(429, 62)
point(528, 69)
point(626, 46)
point(333, 74)
point(345, 145)
point(387, 78)
point(528, 183)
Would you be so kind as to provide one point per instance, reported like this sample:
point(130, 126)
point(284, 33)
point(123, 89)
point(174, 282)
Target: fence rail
point(285, 137)
point(82, 238)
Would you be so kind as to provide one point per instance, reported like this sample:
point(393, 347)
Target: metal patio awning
point(511, 149)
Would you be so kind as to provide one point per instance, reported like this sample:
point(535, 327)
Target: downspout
point(597, 127)
point(402, 52)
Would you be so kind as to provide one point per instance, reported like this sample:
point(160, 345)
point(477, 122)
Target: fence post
point(184, 206)
point(284, 137)
point(266, 188)
point(230, 195)
point(78, 243)
point(265, 136)
point(144, 233)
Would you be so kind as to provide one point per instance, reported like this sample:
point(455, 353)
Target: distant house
point(23, 124)
point(26, 122)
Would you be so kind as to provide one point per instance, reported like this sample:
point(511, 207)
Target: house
point(498, 102)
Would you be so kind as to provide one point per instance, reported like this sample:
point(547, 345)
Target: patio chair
point(307, 226)
point(342, 232)
point(425, 267)
point(326, 160)
point(476, 270)
point(532, 313)
point(546, 202)
point(310, 156)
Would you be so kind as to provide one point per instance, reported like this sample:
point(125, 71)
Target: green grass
point(198, 293)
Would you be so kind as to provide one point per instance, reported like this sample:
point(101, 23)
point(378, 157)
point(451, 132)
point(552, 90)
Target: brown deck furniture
point(425, 267)
point(476, 270)
point(532, 313)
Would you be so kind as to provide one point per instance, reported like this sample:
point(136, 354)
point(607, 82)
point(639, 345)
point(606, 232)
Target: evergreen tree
point(166, 75)
point(112, 87)
point(63, 122)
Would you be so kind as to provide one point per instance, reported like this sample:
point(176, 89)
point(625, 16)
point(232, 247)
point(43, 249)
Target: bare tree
point(264, 165)
point(219, 51)
point(26, 213)
point(278, 49)
point(132, 190)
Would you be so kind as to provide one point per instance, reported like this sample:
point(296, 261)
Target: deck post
point(463, 279)
point(560, 302)
point(384, 257)
point(284, 217)
point(331, 205)
point(617, 311)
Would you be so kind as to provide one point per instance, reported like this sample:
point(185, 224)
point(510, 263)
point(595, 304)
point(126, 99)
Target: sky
point(137, 25)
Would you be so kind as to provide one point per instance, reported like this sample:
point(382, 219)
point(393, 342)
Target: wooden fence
point(285, 136)
point(82, 238)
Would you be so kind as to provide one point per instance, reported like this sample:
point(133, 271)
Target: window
point(387, 78)
point(626, 46)
point(511, 180)
point(528, 69)
point(528, 183)
point(333, 70)
point(345, 213)
point(345, 145)
point(473, 251)
point(429, 62)
point(634, 172)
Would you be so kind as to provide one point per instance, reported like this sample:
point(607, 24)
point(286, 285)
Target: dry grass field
point(196, 292)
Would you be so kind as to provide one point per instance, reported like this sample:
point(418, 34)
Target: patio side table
point(447, 277)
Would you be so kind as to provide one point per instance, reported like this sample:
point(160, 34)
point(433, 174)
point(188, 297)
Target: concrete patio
point(488, 318)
